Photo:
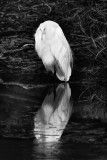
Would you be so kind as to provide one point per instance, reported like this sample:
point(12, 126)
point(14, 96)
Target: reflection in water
point(33, 133)
point(50, 150)
point(54, 114)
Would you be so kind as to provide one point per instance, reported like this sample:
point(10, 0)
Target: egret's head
point(42, 27)
point(46, 32)
point(40, 33)
point(39, 37)
point(48, 29)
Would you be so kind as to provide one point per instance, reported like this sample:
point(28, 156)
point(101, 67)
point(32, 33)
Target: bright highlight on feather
point(52, 47)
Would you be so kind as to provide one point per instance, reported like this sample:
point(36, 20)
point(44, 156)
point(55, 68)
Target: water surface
point(53, 122)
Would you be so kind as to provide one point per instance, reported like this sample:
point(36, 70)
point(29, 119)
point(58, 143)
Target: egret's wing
point(61, 52)
point(63, 69)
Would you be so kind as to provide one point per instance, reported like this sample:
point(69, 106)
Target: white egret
point(52, 47)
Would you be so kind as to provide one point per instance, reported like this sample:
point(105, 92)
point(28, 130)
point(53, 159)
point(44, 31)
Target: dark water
point(64, 121)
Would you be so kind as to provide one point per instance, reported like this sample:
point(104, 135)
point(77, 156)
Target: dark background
point(84, 24)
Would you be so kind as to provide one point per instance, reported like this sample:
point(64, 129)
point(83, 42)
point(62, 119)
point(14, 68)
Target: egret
point(53, 49)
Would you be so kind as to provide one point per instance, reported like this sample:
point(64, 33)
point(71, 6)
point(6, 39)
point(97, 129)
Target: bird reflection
point(54, 114)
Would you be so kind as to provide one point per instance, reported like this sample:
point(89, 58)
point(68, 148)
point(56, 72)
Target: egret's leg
point(54, 72)
point(54, 82)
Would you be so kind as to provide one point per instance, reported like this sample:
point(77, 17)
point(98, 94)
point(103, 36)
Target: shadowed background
point(84, 24)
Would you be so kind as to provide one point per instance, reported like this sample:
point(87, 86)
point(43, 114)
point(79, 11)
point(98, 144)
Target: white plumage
point(54, 50)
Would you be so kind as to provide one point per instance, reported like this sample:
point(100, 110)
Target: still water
point(60, 121)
